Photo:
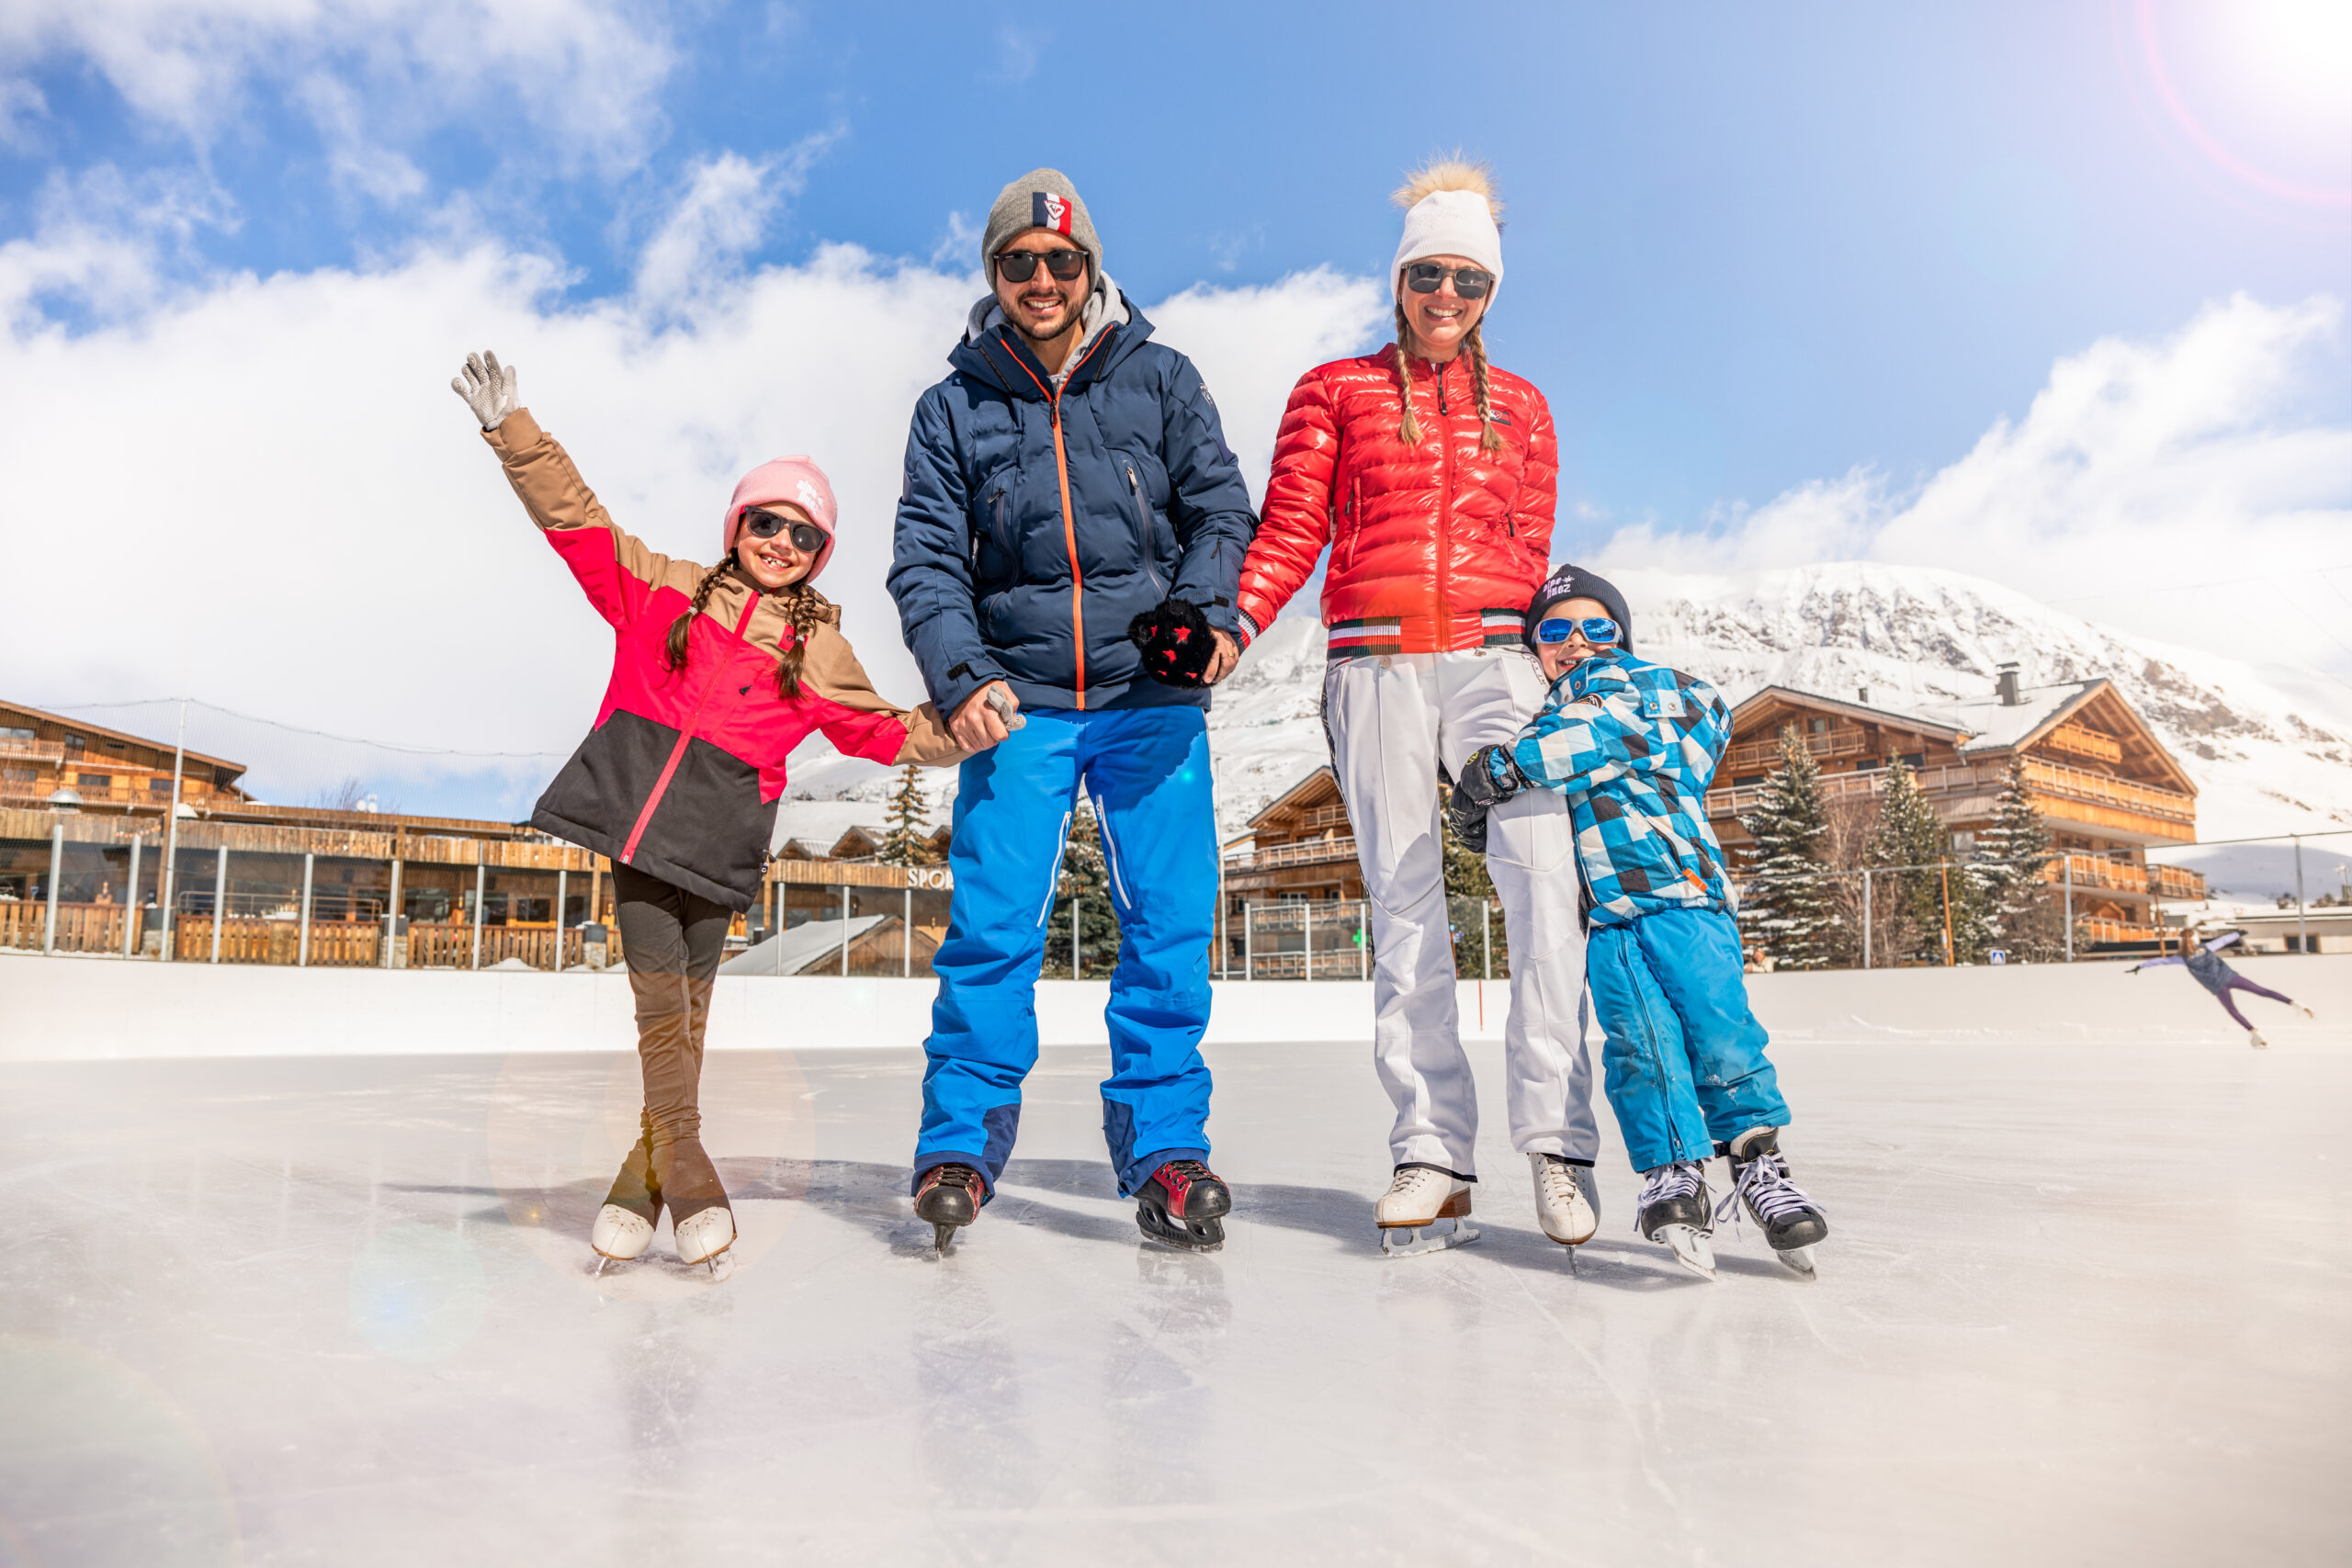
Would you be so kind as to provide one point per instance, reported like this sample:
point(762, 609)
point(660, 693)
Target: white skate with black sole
point(1673, 1210)
point(1419, 1197)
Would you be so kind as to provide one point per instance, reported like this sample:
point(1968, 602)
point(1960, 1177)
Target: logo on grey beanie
point(1047, 211)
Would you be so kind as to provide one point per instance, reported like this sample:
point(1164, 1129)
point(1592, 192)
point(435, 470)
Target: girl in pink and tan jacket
point(717, 673)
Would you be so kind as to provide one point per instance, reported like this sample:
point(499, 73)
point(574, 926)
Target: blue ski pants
point(1684, 1060)
point(1146, 771)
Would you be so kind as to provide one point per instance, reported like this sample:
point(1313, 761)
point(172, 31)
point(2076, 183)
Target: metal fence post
point(1487, 939)
point(394, 911)
point(1363, 940)
point(166, 888)
point(481, 897)
point(219, 898)
point(2302, 926)
point(1248, 941)
point(2069, 917)
point(1307, 918)
point(130, 915)
point(844, 930)
point(1077, 954)
point(1866, 917)
point(303, 951)
point(57, 869)
point(907, 934)
point(563, 887)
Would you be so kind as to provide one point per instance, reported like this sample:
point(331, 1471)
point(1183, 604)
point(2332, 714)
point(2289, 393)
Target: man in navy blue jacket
point(1068, 476)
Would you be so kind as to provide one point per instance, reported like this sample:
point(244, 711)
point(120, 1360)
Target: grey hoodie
point(1104, 307)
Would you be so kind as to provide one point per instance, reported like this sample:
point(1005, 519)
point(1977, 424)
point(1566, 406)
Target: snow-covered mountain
point(2266, 758)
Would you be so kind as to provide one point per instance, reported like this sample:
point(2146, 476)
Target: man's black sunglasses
point(1469, 282)
point(807, 537)
point(1019, 266)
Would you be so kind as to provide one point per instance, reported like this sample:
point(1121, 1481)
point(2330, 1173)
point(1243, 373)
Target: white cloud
point(2180, 488)
point(323, 539)
point(101, 242)
point(584, 72)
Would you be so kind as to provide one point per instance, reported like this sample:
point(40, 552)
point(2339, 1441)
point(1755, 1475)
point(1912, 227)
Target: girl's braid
point(1489, 438)
point(808, 609)
point(1409, 428)
point(684, 622)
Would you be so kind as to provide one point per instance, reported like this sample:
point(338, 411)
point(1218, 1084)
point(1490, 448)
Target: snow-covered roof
point(1949, 731)
point(793, 951)
point(1993, 726)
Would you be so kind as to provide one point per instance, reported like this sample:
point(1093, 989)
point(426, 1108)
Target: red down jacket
point(680, 778)
point(1434, 548)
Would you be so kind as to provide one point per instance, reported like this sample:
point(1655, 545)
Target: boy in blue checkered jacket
point(1633, 744)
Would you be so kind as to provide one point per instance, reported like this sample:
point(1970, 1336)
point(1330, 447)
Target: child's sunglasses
point(1019, 266)
point(1469, 282)
point(807, 537)
point(1596, 629)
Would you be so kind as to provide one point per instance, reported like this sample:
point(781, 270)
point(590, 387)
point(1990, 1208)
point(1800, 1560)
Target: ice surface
point(2082, 1304)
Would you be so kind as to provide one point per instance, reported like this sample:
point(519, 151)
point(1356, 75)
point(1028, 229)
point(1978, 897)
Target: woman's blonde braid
point(1489, 438)
point(1408, 429)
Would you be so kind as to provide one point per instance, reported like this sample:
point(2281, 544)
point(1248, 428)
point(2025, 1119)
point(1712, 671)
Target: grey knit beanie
point(1041, 198)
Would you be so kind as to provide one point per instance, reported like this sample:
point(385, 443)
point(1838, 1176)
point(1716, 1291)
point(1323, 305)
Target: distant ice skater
point(2206, 964)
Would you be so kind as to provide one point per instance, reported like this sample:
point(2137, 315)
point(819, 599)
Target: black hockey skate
point(1184, 1204)
point(950, 1198)
point(624, 1226)
point(1673, 1209)
point(1778, 1206)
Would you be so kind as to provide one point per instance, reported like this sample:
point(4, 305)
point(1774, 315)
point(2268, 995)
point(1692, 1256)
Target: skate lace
point(1667, 1181)
point(1767, 1186)
point(961, 1176)
point(1559, 1183)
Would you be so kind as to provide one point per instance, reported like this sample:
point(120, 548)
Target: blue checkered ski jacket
point(1635, 744)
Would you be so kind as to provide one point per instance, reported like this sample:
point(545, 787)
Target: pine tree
point(1909, 833)
point(909, 841)
point(1788, 910)
point(1087, 878)
point(1468, 890)
point(2022, 913)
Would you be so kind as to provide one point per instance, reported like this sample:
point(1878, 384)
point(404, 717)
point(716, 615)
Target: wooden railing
point(2076, 783)
point(2093, 931)
point(1731, 802)
point(1313, 852)
point(1749, 755)
point(81, 928)
point(2095, 871)
point(2177, 882)
point(2086, 743)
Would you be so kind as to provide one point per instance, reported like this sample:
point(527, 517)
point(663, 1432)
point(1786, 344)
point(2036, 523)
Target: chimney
point(2005, 682)
point(1862, 696)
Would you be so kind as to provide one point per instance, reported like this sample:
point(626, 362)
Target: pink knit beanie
point(794, 480)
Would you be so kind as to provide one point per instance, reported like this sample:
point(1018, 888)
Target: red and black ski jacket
point(681, 775)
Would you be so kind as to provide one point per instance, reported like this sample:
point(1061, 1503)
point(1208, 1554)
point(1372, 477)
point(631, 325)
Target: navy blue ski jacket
point(1035, 523)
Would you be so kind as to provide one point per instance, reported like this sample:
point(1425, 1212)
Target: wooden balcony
point(1750, 755)
point(2095, 930)
point(2101, 789)
point(2177, 882)
point(1733, 800)
point(2073, 738)
point(2097, 873)
point(1312, 851)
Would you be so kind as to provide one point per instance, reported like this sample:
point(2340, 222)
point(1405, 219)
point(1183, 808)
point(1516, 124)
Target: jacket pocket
point(1348, 527)
point(1147, 536)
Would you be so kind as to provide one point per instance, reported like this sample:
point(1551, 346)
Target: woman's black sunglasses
point(1469, 282)
point(807, 537)
point(1019, 266)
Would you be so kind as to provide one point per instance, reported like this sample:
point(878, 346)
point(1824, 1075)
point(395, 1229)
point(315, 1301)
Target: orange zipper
point(1069, 524)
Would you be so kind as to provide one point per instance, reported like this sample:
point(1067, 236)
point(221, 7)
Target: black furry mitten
point(1177, 642)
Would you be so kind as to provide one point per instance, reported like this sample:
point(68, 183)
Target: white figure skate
point(705, 1234)
point(2253, 1038)
point(618, 1236)
point(1566, 1203)
point(1417, 1200)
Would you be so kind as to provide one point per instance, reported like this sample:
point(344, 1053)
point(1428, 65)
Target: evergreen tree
point(1788, 910)
point(1909, 833)
point(1468, 889)
point(909, 841)
point(2023, 914)
point(1087, 878)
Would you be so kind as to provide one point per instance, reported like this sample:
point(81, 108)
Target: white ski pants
point(1393, 717)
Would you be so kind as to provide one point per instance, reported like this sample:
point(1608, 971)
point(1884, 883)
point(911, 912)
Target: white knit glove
point(488, 388)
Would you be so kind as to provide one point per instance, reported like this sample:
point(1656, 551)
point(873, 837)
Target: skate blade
point(943, 1238)
point(721, 1266)
point(1419, 1241)
point(1798, 1260)
point(1689, 1245)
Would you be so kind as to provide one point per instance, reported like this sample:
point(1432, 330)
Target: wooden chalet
point(2093, 768)
point(1300, 849)
point(47, 761)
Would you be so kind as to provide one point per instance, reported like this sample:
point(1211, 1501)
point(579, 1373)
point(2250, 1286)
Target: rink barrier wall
point(72, 1008)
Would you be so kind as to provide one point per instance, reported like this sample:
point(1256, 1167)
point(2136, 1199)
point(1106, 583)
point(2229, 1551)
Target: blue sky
point(1756, 255)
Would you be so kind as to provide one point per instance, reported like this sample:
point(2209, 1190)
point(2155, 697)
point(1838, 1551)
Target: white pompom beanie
point(1448, 223)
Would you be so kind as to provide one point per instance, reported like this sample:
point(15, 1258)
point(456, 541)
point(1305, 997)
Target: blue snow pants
point(1684, 1060)
point(1146, 771)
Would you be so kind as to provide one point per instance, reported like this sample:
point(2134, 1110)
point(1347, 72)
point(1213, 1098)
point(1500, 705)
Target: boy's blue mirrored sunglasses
point(1596, 629)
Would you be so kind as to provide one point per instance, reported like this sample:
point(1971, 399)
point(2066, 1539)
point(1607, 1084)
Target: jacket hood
point(1105, 308)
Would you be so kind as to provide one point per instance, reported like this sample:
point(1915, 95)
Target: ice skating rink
point(2084, 1304)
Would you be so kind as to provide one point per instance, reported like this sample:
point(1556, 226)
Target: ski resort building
point(2106, 786)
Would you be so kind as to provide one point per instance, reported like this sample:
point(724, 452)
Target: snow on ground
point(2082, 1303)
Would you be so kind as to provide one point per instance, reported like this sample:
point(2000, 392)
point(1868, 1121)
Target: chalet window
point(159, 786)
point(115, 746)
point(12, 733)
point(1748, 779)
point(1867, 764)
point(1913, 758)
point(94, 781)
point(20, 774)
point(1821, 727)
point(76, 742)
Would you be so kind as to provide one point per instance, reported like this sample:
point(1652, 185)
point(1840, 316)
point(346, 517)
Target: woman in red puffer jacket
point(1432, 477)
